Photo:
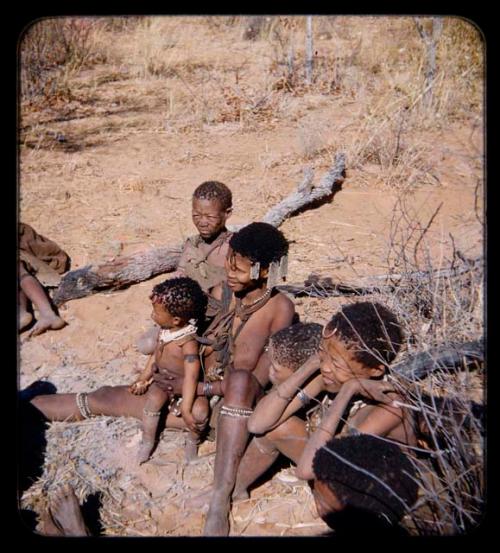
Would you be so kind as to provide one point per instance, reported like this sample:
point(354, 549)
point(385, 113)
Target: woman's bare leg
point(232, 437)
point(34, 291)
point(25, 317)
point(114, 401)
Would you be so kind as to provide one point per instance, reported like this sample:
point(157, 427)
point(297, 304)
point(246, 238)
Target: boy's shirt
point(206, 267)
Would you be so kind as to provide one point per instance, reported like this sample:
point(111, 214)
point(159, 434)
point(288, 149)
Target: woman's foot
point(64, 516)
point(47, 322)
point(217, 521)
point(25, 318)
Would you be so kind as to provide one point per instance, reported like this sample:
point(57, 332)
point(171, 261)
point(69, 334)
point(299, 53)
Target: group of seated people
point(228, 356)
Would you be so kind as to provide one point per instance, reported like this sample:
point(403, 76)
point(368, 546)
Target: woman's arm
point(271, 408)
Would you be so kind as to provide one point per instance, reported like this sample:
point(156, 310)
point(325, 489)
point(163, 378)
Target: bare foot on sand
point(47, 322)
point(25, 319)
point(217, 521)
point(64, 516)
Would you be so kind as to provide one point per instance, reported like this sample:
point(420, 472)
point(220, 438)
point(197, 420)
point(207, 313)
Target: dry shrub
point(52, 50)
point(440, 309)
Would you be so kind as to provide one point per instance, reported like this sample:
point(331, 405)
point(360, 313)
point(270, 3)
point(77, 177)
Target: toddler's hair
point(292, 346)
point(260, 242)
point(355, 488)
point(370, 329)
point(182, 297)
point(214, 190)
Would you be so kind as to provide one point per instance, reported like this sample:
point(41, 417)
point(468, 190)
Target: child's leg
point(35, 292)
point(155, 399)
point(200, 413)
point(289, 438)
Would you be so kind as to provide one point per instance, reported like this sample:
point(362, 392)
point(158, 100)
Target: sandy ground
point(130, 190)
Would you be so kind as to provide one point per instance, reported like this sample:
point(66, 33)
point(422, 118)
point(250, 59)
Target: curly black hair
point(260, 242)
point(292, 346)
point(370, 329)
point(214, 190)
point(384, 460)
point(182, 297)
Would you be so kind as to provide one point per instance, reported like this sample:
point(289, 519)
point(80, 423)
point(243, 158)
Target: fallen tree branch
point(317, 286)
point(116, 274)
point(442, 358)
point(137, 267)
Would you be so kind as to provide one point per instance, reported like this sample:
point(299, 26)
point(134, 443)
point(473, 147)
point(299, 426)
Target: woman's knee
point(292, 427)
point(241, 385)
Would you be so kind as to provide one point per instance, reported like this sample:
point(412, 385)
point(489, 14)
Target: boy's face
point(277, 372)
point(338, 364)
point(238, 271)
point(208, 217)
point(162, 317)
point(326, 501)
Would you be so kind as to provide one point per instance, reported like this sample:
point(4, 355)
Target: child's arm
point(281, 402)
point(328, 427)
point(145, 379)
point(190, 382)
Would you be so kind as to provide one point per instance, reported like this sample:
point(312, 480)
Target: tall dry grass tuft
point(51, 52)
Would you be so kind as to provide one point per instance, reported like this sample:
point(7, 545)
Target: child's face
point(208, 217)
point(338, 364)
point(238, 271)
point(326, 501)
point(162, 316)
point(277, 373)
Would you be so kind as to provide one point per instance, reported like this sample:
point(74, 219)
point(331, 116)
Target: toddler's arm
point(190, 382)
point(145, 378)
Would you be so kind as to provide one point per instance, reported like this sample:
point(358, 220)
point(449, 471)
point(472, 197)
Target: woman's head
point(255, 246)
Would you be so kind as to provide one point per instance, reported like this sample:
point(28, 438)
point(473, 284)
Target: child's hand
point(311, 365)
point(191, 421)
point(140, 387)
point(372, 389)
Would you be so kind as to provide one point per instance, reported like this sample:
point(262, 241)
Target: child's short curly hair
point(182, 297)
point(292, 346)
point(260, 242)
point(355, 488)
point(370, 329)
point(214, 190)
